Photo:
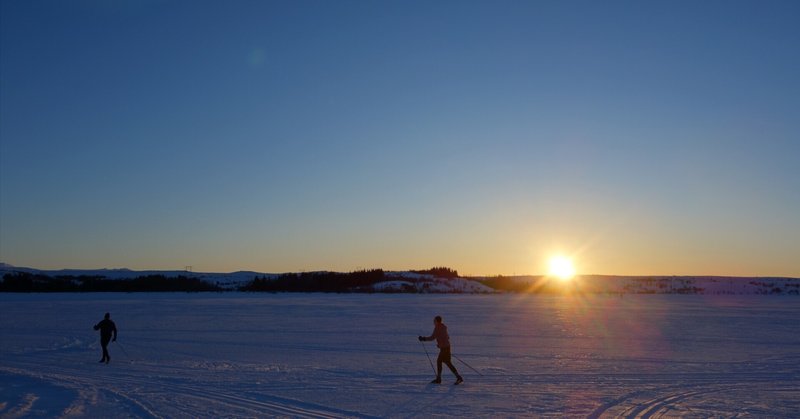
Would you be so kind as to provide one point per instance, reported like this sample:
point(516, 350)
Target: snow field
point(328, 355)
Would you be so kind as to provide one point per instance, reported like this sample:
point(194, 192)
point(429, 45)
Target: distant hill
point(609, 284)
point(435, 280)
point(223, 280)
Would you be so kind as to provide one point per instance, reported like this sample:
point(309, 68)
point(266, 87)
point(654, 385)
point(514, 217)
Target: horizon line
point(188, 269)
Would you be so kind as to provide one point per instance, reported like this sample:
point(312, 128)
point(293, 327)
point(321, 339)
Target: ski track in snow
point(356, 356)
point(148, 397)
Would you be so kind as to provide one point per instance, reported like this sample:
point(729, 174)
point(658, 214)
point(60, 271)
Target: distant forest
point(317, 282)
point(357, 281)
point(27, 282)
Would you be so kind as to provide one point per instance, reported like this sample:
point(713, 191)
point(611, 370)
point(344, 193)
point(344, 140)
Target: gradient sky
point(636, 137)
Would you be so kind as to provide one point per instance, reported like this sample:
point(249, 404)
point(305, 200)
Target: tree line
point(317, 282)
point(29, 282)
point(356, 281)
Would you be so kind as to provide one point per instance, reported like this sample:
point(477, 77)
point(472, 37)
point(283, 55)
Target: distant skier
point(106, 327)
point(443, 343)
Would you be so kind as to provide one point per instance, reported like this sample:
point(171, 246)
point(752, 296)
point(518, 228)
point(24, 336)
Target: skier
point(106, 326)
point(443, 343)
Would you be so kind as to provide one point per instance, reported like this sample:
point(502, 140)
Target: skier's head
point(108, 315)
point(437, 319)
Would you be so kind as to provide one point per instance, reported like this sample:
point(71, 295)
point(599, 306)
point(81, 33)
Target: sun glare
point(562, 268)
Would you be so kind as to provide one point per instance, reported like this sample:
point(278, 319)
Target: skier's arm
point(428, 338)
point(115, 333)
point(97, 326)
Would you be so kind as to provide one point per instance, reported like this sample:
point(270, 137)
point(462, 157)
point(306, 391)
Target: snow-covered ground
point(329, 355)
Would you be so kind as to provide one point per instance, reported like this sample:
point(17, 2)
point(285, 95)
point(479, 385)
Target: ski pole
point(123, 350)
point(470, 366)
point(429, 357)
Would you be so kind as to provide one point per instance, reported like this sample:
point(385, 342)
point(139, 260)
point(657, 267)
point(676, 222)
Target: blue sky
point(637, 138)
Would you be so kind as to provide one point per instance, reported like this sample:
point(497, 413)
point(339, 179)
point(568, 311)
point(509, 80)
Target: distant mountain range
point(379, 281)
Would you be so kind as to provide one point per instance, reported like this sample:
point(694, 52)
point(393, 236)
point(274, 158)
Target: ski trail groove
point(276, 406)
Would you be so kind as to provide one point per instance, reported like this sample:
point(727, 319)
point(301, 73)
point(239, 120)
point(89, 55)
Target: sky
point(637, 138)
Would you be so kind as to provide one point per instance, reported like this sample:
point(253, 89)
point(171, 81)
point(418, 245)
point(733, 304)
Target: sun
point(562, 268)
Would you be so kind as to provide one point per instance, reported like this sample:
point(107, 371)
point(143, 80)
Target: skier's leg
point(449, 362)
point(439, 361)
point(452, 368)
point(104, 344)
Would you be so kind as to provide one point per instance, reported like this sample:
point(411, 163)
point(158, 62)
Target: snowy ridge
point(225, 280)
point(397, 281)
point(425, 283)
point(415, 282)
point(705, 285)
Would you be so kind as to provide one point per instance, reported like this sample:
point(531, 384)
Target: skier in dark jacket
point(443, 343)
point(106, 328)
